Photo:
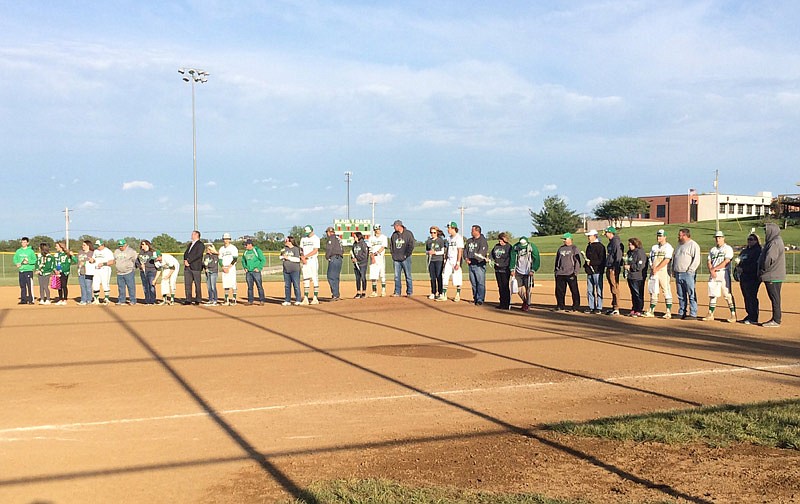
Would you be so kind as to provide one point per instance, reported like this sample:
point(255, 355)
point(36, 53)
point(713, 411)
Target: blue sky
point(432, 105)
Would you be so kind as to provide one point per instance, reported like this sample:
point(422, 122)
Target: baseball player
point(102, 258)
point(309, 247)
point(228, 255)
point(168, 266)
point(719, 280)
point(452, 262)
point(378, 243)
point(525, 261)
point(660, 256)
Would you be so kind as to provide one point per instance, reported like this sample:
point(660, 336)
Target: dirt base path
point(252, 403)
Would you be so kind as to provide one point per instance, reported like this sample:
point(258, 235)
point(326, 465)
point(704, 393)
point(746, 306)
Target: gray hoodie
point(772, 261)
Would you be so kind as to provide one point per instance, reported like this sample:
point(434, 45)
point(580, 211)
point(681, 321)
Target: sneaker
point(314, 300)
point(648, 314)
point(373, 294)
point(559, 310)
point(588, 310)
point(613, 312)
point(689, 317)
point(432, 296)
point(96, 302)
point(746, 322)
point(304, 302)
point(357, 296)
point(441, 298)
point(395, 294)
point(286, 303)
point(526, 307)
point(82, 303)
point(383, 292)
point(667, 315)
point(731, 320)
point(708, 318)
point(771, 323)
point(457, 298)
point(597, 312)
point(298, 303)
point(45, 302)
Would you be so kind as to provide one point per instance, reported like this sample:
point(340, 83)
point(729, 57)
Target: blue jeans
point(403, 266)
point(293, 279)
point(334, 271)
point(211, 283)
point(147, 286)
point(477, 278)
point(594, 287)
point(254, 277)
point(684, 284)
point(86, 288)
point(126, 281)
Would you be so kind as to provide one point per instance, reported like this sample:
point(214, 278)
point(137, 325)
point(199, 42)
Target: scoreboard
point(344, 229)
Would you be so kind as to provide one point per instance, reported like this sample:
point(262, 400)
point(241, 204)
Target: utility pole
point(716, 194)
point(66, 219)
point(348, 176)
point(461, 209)
point(373, 213)
point(193, 75)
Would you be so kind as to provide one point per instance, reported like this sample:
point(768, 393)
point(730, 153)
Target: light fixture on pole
point(193, 75)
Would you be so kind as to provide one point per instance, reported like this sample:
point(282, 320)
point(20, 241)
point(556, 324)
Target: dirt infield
point(251, 404)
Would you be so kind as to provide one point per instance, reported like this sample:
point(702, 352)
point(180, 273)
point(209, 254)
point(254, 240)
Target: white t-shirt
point(308, 244)
point(378, 245)
point(227, 253)
point(660, 253)
point(454, 243)
point(102, 257)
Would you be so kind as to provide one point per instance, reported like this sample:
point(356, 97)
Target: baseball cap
point(591, 232)
point(329, 229)
point(523, 240)
point(719, 234)
point(308, 229)
point(248, 242)
point(98, 242)
point(661, 232)
point(611, 229)
point(398, 222)
point(376, 226)
point(566, 236)
point(121, 242)
point(226, 236)
point(209, 244)
point(453, 224)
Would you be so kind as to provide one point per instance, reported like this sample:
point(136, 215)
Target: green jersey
point(64, 262)
point(253, 259)
point(45, 264)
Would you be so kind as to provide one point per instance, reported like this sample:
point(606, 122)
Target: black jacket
point(595, 258)
point(194, 254)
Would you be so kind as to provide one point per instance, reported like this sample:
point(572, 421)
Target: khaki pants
point(659, 283)
point(612, 275)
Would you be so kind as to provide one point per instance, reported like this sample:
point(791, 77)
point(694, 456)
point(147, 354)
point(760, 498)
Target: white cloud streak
point(137, 184)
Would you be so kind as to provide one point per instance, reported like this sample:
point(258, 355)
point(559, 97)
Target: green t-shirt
point(25, 259)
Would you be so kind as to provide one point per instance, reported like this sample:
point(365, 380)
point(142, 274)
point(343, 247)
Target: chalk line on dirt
point(338, 402)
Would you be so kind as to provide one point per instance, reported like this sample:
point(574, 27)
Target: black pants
point(637, 295)
point(26, 286)
point(750, 294)
point(503, 277)
point(435, 269)
point(63, 291)
point(361, 277)
point(774, 293)
point(192, 277)
point(562, 281)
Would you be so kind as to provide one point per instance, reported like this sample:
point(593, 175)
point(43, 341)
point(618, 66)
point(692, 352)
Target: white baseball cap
point(226, 236)
point(591, 232)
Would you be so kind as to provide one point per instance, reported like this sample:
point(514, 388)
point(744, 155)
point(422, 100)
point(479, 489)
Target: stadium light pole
point(347, 178)
point(193, 75)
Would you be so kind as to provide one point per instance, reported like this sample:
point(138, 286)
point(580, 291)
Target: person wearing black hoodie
point(746, 272)
point(594, 266)
point(614, 260)
point(772, 270)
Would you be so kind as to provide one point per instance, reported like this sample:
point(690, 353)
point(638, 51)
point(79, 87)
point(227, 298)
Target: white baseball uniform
point(102, 272)
point(454, 243)
point(311, 267)
point(227, 254)
point(169, 274)
point(660, 280)
point(719, 285)
point(377, 267)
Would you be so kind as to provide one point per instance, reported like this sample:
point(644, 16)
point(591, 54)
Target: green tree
point(623, 207)
point(555, 217)
point(166, 243)
point(492, 235)
point(37, 240)
point(297, 232)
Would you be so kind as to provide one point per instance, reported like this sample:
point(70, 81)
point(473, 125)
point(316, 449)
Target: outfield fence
point(419, 267)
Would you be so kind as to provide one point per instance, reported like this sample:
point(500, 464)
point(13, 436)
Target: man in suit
point(192, 268)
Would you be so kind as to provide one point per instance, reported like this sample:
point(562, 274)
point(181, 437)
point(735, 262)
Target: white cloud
point(549, 187)
point(480, 200)
point(163, 199)
point(594, 202)
point(533, 193)
point(136, 184)
point(87, 205)
point(368, 198)
point(428, 204)
point(211, 183)
point(508, 210)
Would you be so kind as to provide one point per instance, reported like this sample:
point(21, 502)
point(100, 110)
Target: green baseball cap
point(121, 242)
point(566, 236)
point(308, 229)
point(453, 224)
point(611, 229)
